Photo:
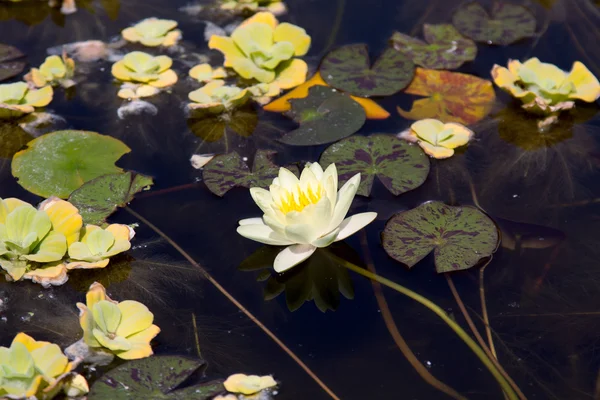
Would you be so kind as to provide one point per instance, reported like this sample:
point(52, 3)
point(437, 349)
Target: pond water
point(542, 299)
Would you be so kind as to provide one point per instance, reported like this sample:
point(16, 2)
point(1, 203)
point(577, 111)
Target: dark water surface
point(544, 304)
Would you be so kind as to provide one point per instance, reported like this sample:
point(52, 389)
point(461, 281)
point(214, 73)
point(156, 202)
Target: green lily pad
point(506, 24)
point(399, 165)
point(349, 69)
point(12, 139)
point(444, 47)
point(325, 116)
point(460, 236)
point(156, 377)
point(226, 171)
point(100, 197)
point(59, 162)
point(9, 67)
point(241, 121)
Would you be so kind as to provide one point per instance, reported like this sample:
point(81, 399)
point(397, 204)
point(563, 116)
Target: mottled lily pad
point(459, 236)
point(349, 69)
point(156, 377)
point(399, 165)
point(506, 24)
point(325, 116)
point(100, 197)
point(9, 67)
point(241, 121)
point(444, 47)
point(59, 162)
point(226, 171)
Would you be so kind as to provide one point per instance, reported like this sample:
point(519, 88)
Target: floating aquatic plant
point(205, 73)
point(145, 70)
point(544, 88)
point(153, 32)
point(17, 99)
point(123, 328)
point(248, 384)
point(263, 49)
point(277, 7)
point(31, 369)
point(215, 98)
point(97, 245)
point(436, 138)
point(54, 71)
point(304, 214)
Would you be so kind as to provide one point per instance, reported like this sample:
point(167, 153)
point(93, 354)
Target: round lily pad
point(349, 69)
point(212, 128)
point(506, 24)
point(59, 162)
point(459, 236)
point(9, 67)
point(444, 47)
point(325, 116)
point(399, 165)
point(226, 171)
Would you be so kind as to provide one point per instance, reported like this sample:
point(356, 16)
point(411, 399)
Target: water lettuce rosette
point(17, 99)
point(144, 70)
point(437, 139)
point(215, 98)
point(54, 71)
point(153, 32)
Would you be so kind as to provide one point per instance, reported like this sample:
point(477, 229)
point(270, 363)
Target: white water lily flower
point(305, 213)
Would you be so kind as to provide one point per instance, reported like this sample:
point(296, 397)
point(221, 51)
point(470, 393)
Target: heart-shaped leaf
point(59, 162)
point(155, 377)
point(100, 197)
point(325, 116)
point(349, 69)
point(8, 66)
point(506, 24)
point(399, 165)
point(460, 236)
point(241, 122)
point(226, 171)
point(444, 47)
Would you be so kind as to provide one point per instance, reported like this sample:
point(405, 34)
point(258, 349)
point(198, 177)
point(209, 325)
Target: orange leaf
point(372, 109)
point(451, 96)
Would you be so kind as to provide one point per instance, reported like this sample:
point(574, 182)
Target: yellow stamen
point(289, 202)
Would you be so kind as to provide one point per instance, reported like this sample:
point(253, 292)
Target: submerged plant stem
point(506, 387)
point(484, 313)
point(196, 337)
point(239, 305)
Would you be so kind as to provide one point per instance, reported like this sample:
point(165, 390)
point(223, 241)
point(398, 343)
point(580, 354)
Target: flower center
point(289, 202)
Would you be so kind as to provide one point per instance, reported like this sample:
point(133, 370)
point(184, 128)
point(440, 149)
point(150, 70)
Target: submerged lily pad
point(349, 69)
point(325, 116)
point(241, 121)
point(156, 377)
point(12, 139)
point(226, 171)
point(8, 66)
point(506, 23)
point(444, 47)
point(460, 236)
point(117, 271)
point(59, 162)
point(100, 197)
point(399, 165)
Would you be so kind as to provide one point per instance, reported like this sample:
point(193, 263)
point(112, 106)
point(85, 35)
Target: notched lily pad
point(506, 24)
point(100, 197)
point(59, 162)
point(325, 116)
point(156, 377)
point(399, 165)
point(444, 47)
point(9, 64)
point(459, 236)
point(226, 171)
point(349, 69)
point(241, 121)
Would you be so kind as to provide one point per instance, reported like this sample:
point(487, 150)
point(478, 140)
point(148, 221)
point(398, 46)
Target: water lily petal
point(295, 35)
point(344, 200)
point(287, 180)
point(327, 239)
point(227, 46)
point(135, 317)
point(355, 223)
point(251, 221)
point(587, 87)
point(301, 233)
point(292, 256)
point(140, 344)
point(262, 198)
point(329, 181)
point(263, 234)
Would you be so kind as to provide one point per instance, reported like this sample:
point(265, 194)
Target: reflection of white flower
point(305, 213)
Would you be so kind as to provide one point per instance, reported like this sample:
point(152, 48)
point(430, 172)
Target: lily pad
point(156, 377)
point(460, 236)
point(349, 69)
point(399, 165)
point(506, 24)
point(12, 139)
point(59, 162)
point(444, 47)
point(241, 121)
point(100, 197)
point(452, 97)
point(325, 116)
point(226, 171)
point(8, 66)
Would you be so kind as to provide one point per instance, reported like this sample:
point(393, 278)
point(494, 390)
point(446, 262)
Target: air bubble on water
point(428, 363)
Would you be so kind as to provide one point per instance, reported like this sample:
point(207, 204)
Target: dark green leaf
point(100, 197)
point(349, 69)
point(460, 236)
point(399, 165)
point(506, 24)
point(8, 66)
point(12, 139)
point(325, 116)
point(212, 128)
point(443, 48)
point(226, 171)
point(59, 162)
